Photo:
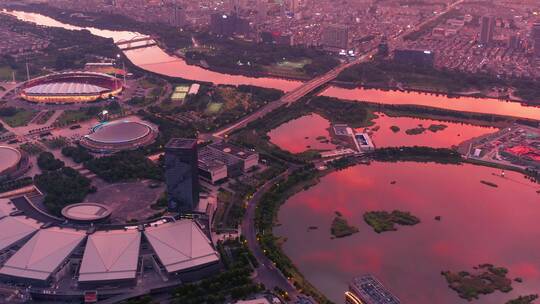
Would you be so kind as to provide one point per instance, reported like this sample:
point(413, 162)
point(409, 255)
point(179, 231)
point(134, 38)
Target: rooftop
point(43, 253)
point(69, 88)
point(181, 245)
point(181, 143)
point(14, 229)
point(233, 150)
point(110, 255)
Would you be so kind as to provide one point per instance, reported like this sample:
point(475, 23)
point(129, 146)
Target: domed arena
point(12, 163)
point(72, 87)
point(119, 135)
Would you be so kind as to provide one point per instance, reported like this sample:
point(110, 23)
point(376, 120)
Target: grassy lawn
point(232, 98)
point(294, 64)
point(291, 68)
point(72, 116)
point(21, 118)
point(6, 73)
point(213, 108)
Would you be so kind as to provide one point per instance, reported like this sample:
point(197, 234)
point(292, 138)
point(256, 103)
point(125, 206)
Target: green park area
point(73, 116)
point(213, 108)
point(383, 221)
point(84, 114)
point(16, 117)
point(6, 73)
point(289, 68)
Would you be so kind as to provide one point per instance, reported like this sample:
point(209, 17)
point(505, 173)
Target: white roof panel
point(110, 255)
point(43, 253)
point(181, 245)
point(70, 88)
point(14, 229)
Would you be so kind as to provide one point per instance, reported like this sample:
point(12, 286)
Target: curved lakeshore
point(438, 245)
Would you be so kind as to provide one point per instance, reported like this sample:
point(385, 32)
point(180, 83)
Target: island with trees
point(486, 280)
point(341, 228)
point(383, 221)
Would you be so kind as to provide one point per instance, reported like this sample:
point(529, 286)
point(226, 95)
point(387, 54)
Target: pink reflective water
point(466, 104)
point(291, 136)
point(480, 224)
point(454, 134)
point(301, 134)
point(156, 60)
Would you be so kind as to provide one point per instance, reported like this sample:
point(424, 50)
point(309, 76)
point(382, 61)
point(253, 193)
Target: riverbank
point(155, 60)
point(231, 56)
point(388, 73)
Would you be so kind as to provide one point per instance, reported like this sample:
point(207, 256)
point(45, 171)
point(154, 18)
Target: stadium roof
point(68, 88)
point(120, 131)
point(43, 253)
point(110, 255)
point(181, 245)
point(14, 229)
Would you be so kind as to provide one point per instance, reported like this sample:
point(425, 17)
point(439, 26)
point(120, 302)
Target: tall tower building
point(294, 6)
point(262, 11)
point(236, 6)
point(535, 35)
point(487, 30)
point(182, 174)
point(335, 37)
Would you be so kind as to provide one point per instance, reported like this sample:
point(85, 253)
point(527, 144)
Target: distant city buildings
point(228, 24)
point(335, 37)
point(535, 35)
point(487, 30)
point(423, 58)
point(181, 174)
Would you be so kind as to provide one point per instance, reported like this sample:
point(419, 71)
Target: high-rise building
point(335, 37)
point(177, 16)
point(294, 5)
point(228, 24)
point(535, 34)
point(487, 30)
point(182, 175)
point(262, 11)
point(236, 6)
point(368, 290)
point(514, 42)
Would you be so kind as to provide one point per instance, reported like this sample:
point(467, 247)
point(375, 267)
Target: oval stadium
point(72, 87)
point(119, 135)
point(12, 163)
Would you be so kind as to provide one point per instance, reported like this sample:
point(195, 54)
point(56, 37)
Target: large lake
point(480, 224)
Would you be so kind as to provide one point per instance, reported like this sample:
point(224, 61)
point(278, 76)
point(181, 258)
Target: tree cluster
point(124, 166)
point(63, 187)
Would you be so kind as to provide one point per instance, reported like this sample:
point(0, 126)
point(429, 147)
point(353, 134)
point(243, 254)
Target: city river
point(156, 60)
point(479, 224)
